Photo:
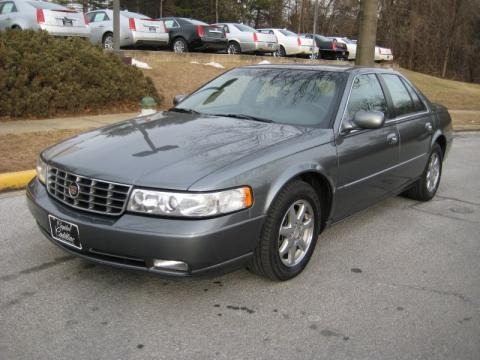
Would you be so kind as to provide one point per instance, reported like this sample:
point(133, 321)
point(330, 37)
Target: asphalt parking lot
point(399, 281)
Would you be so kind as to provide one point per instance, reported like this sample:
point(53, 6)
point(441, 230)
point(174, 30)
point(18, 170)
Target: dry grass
point(20, 151)
point(454, 95)
point(172, 78)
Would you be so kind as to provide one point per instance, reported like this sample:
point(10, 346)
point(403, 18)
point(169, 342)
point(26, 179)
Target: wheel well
point(106, 33)
point(16, 26)
point(324, 192)
point(442, 141)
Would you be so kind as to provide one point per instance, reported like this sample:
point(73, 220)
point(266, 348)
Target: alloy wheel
point(296, 233)
point(433, 172)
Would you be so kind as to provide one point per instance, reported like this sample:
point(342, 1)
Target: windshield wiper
point(185, 111)
point(247, 117)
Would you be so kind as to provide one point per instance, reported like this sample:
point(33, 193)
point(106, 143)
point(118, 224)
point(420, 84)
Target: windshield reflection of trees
point(289, 97)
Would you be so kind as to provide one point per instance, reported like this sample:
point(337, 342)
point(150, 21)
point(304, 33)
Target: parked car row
point(177, 33)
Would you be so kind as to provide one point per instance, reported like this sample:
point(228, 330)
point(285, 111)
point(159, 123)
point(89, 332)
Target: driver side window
point(366, 95)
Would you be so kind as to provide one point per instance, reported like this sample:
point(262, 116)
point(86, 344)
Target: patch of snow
point(140, 64)
point(215, 65)
point(264, 62)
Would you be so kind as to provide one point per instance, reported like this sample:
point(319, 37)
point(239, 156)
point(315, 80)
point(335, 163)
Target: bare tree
point(367, 32)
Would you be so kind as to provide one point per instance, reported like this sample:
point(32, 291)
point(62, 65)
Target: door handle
point(429, 126)
point(101, 26)
point(392, 139)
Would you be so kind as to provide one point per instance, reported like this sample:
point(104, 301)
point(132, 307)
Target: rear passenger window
point(101, 16)
point(171, 24)
point(366, 95)
point(7, 8)
point(400, 97)
point(418, 104)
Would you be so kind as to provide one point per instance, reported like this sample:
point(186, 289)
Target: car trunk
point(58, 17)
point(147, 25)
point(211, 31)
point(305, 42)
point(384, 51)
point(270, 38)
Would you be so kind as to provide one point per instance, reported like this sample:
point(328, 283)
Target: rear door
point(415, 125)
point(99, 23)
point(7, 10)
point(366, 158)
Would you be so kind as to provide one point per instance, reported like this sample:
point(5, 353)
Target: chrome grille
point(94, 195)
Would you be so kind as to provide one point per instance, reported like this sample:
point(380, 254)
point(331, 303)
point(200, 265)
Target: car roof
point(320, 67)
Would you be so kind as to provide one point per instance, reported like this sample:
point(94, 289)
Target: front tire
point(289, 234)
point(426, 187)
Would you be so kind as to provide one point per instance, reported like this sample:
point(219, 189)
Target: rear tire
point(426, 187)
point(281, 52)
point(288, 238)
point(16, 27)
point(107, 41)
point(179, 46)
point(233, 48)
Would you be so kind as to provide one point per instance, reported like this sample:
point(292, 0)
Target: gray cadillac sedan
point(246, 171)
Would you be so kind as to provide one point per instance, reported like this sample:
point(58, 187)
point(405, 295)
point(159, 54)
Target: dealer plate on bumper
point(64, 231)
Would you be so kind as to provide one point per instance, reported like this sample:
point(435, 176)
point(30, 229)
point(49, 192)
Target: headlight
point(41, 170)
point(190, 204)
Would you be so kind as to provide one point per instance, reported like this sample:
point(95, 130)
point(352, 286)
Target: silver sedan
point(135, 29)
point(244, 39)
point(39, 15)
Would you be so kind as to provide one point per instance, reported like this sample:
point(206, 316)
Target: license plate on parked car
point(152, 29)
point(64, 231)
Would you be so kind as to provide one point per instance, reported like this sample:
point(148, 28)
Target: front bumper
point(208, 246)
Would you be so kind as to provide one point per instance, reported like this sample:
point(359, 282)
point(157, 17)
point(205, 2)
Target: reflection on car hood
point(167, 150)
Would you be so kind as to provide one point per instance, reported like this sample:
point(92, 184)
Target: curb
point(15, 180)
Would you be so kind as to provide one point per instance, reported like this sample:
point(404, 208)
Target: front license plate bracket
point(64, 232)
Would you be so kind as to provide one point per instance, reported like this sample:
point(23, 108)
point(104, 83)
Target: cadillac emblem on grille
point(73, 190)
point(88, 194)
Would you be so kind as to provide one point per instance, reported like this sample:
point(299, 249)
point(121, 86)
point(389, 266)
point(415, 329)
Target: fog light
point(170, 265)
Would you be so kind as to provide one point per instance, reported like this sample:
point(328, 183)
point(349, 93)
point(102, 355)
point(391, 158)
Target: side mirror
point(365, 120)
point(177, 99)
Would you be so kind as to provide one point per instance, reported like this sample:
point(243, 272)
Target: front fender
point(291, 173)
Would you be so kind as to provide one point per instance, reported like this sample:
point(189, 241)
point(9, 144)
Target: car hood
point(167, 150)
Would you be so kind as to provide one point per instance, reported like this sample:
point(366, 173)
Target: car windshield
point(285, 96)
point(287, 32)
